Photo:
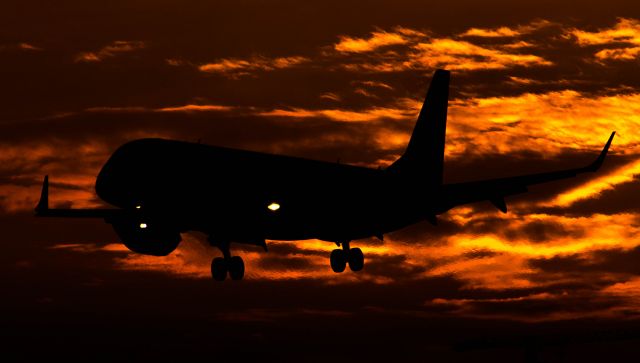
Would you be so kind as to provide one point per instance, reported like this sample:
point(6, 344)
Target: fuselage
point(226, 192)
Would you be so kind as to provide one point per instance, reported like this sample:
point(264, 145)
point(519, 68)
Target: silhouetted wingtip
point(603, 154)
point(43, 203)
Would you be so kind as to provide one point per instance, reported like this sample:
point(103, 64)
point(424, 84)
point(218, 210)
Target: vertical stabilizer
point(424, 157)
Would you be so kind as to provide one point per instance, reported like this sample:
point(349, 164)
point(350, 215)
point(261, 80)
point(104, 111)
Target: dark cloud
point(618, 261)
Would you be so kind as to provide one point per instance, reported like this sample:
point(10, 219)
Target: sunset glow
point(534, 88)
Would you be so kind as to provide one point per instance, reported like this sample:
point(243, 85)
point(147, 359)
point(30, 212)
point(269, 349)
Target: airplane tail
point(423, 159)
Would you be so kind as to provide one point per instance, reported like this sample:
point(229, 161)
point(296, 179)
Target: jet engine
point(146, 237)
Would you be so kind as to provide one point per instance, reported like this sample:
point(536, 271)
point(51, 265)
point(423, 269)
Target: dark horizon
point(536, 86)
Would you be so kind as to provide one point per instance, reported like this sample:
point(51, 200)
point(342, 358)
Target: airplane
point(162, 188)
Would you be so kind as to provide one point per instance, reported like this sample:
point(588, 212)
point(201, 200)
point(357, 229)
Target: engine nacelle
point(146, 237)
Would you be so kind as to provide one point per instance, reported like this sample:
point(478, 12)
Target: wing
point(495, 190)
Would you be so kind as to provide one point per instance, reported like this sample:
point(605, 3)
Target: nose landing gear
point(341, 257)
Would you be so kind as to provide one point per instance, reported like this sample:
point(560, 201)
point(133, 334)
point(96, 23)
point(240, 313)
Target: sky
point(536, 86)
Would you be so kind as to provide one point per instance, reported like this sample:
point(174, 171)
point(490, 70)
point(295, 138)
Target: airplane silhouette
point(162, 188)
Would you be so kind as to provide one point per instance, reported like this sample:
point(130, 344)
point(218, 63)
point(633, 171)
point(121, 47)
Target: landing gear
point(356, 259)
point(236, 268)
point(341, 257)
point(219, 269)
point(232, 265)
point(338, 260)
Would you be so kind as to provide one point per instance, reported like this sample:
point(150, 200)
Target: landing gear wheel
point(356, 259)
point(236, 268)
point(338, 260)
point(219, 269)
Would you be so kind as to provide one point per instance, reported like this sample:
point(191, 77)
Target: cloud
point(419, 50)
point(625, 36)
point(545, 123)
point(331, 96)
point(109, 51)
point(28, 47)
point(619, 53)
point(238, 67)
point(491, 33)
point(367, 115)
point(376, 85)
point(376, 40)
point(452, 54)
point(23, 46)
point(461, 55)
point(138, 109)
point(594, 188)
point(507, 32)
point(625, 31)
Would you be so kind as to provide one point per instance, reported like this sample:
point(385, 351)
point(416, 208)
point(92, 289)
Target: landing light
point(138, 206)
point(143, 225)
point(274, 206)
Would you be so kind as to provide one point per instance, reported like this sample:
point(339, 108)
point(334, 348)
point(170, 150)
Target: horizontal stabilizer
point(43, 210)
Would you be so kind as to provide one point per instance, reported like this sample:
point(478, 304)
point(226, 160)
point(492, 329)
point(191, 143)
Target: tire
point(236, 268)
point(338, 261)
point(356, 259)
point(219, 269)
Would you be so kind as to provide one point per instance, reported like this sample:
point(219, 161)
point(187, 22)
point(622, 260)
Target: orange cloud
point(461, 55)
point(546, 123)
point(196, 108)
point(520, 80)
point(504, 31)
point(583, 234)
point(236, 67)
point(619, 53)
point(626, 31)
point(182, 108)
point(491, 33)
point(451, 54)
point(367, 115)
point(419, 51)
point(593, 188)
point(111, 50)
point(26, 47)
point(331, 96)
point(377, 84)
point(377, 40)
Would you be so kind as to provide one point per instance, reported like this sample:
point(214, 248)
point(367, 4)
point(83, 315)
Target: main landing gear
point(341, 257)
point(232, 265)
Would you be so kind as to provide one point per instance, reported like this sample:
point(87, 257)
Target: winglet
point(598, 163)
point(43, 204)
